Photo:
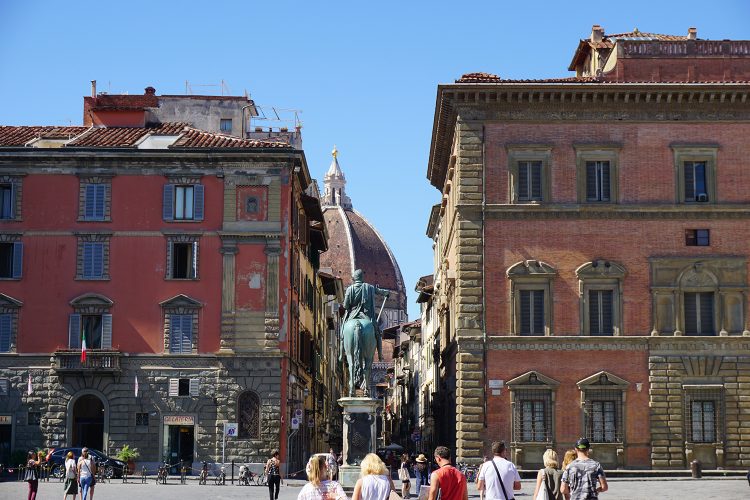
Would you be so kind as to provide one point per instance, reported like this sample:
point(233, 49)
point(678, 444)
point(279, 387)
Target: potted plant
point(128, 454)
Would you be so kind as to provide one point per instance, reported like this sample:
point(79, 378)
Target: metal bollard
point(696, 469)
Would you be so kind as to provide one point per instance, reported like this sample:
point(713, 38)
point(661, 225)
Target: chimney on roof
point(93, 88)
point(597, 33)
point(692, 33)
point(150, 91)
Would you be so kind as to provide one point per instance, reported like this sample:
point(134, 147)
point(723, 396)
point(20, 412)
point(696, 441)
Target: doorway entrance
point(180, 447)
point(88, 422)
point(6, 435)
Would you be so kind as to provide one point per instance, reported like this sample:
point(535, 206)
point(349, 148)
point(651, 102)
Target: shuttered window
point(601, 312)
point(598, 182)
point(696, 185)
point(95, 200)
point(11, 260)
point(184, 387)
point(93, 260)
point(180, 333)
point(6, 326)
point(183, 202)
point(530, 181)
point(532, 312)
point(7, 201)
point(97, 327)
point(699, 313)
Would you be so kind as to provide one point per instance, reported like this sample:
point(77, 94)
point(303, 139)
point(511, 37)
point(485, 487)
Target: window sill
point(181, 221)
point(181, 279)
point(8, 278)
point(14, 219)
point(82, 278)
point(93, 220)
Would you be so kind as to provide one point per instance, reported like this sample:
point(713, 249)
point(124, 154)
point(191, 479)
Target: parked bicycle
point(161, 474)
point(204, 474)
point(221, 478)
point(469, 471)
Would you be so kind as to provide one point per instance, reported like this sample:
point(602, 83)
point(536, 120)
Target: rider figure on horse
point(359, 302)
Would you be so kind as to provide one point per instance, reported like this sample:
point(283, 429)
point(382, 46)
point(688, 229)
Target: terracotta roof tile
point(193, 138)
point(639, 35)
point(128, 137)
point(489, 78)
point(12, 136)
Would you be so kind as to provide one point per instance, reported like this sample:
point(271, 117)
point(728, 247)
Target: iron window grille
point(704, 415)
point(603, 416)
point(532, 416)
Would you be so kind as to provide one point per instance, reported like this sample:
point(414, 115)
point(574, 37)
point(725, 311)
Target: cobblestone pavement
point(620, 489)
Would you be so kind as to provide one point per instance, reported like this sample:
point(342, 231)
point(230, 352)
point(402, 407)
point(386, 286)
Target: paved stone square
point(620, 489)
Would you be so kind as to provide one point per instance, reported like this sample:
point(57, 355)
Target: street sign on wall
point(230, 429)
point(294, 423)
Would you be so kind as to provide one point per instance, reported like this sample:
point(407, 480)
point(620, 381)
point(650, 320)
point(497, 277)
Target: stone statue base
point(360, 436)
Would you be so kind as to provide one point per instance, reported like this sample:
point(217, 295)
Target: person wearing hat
point(584, 478)
point(421, 471)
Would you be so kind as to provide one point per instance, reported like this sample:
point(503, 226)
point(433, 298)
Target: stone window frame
point(16, 182)
point(98, 237)
point(173, 238)
point(99, 179)
point(11, 307)
point(91, 304)
point(529, 384)
point(725, 277)
point(601, 274)
point(598, 152)
point(529, 152)
point(183, 305)
point(705, 392)
point(241, 434)
point(530, 275)
point(695, 152)
point(199, 197)
point(600, 386)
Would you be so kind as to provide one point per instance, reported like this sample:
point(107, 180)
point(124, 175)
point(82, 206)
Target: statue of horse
point(359, 346)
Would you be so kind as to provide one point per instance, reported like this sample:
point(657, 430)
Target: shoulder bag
point(505, 494)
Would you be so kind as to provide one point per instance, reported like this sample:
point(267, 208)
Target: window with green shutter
point(183, 202)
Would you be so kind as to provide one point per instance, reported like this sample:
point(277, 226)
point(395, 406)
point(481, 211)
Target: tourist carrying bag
point(505, 493)
point(546, 492)
point(403, 474)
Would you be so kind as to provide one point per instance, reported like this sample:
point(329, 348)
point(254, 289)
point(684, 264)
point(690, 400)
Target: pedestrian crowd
point(80, 476)
point(579, 477)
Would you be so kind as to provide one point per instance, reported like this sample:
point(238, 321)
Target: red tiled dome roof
point(353, 243)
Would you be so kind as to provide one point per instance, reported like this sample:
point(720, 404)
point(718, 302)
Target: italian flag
point(83, 348)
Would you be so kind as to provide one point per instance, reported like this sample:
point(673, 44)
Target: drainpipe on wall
point(484, 265)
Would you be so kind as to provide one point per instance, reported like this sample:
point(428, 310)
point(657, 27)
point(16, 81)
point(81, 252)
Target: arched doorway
point(88, 422)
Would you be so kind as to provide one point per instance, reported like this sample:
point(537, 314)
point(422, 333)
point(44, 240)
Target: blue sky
point(364, 74)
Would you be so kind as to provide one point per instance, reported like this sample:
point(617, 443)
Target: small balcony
point(69, 361)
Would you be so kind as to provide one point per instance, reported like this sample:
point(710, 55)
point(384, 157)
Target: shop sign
point(179, 420)
point(6, 419)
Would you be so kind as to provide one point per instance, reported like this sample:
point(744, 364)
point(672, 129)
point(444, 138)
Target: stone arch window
point(9, 308)
point(531, 297)
point(248, 415)
point(699, 296)
point(600, 292)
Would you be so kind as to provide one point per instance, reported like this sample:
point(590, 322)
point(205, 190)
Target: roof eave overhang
point(581, 51)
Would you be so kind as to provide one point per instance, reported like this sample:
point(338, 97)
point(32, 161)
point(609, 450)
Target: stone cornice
point(551, 102)
point(616, 211)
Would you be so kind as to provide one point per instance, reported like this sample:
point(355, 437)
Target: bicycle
point(261, 479)
point(221, 478)
point(204, 474)
point(161, 475)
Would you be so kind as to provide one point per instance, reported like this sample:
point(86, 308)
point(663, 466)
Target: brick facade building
point(592, 255)
point(188, 260)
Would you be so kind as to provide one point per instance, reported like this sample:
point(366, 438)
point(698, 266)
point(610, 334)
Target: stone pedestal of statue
point(360, 436)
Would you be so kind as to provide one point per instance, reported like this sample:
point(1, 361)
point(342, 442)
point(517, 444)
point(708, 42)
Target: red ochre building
point(592, 255)
point(187, 259)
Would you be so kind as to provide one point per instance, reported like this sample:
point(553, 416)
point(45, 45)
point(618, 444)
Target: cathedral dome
point(354, 243)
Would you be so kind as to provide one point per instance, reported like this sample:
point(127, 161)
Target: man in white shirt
point(493, 470)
